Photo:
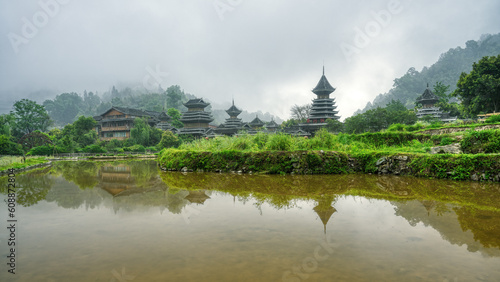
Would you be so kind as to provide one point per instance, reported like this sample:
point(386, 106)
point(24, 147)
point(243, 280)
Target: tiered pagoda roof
point(323, 87)
point(233, 120)
point(427, 98)
point(256, 123)
point(196, 120)
point(197, 103)
point(196, 113)
point(272, 125)
point(232, 124)
point(233, 111)
point(323, 107)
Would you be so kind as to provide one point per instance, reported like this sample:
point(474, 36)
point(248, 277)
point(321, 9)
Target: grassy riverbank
point(400, 153)
point(17, 162)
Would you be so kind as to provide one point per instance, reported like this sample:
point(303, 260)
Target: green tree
point(175, 97)
point(83, 132)
point(29, 116)
point(64, 108)
point(7, 147)
point(441, 91)
point(479, 90)
point(168, 140)
point(6, 124)
point(333, 125)
point(398, 113)
point(289, 123)
point(155, 136)
point(175, 114)
point(356, 124)
point(89, 104)
point(140, 132)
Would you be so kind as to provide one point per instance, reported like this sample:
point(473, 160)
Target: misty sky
point(267, 55)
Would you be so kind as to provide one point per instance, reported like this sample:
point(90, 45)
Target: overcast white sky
point(268, 55)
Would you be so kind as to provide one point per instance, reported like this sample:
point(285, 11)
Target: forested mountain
point(446, 70)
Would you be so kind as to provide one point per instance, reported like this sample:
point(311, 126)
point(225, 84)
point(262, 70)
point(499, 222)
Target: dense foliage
point(479, 90)
point(380, 118)
point(28, 116)
point(484, 141)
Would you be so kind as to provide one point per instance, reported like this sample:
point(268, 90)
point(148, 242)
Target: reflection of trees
point(452, 223)
point(143, 171)
point(82, 173)
point(484, 224)
point(175, 200)
point(32, 187)
point(276, 191)
point(277, 201)
point(72, 197)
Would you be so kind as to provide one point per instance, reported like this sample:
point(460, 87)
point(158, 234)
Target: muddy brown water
point(128, 221)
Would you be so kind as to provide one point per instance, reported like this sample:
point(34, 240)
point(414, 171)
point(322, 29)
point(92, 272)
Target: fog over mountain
point(267, 55)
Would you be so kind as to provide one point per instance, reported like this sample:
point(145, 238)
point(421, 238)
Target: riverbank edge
point(48, 161)
point(22, 169)
point(475, 167)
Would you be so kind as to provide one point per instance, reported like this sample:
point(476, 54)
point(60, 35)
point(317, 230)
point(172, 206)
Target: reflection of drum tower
point(325, 210)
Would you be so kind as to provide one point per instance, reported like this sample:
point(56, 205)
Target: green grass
point(386, 142)
point(16, 162)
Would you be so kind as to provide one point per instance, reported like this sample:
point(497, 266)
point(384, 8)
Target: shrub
point(436, 124)
point(168, 140)
point(493, 119)
point(323, 139)
point(484, 141)
point(94, 148)
point(8, 147)
point(113, 145)
point(446, 141)
point(415, 127)
point(45, 150)
point(396, 127)
point(280, 142)
point(242, 143)
point(135, 148)
point(260, 139)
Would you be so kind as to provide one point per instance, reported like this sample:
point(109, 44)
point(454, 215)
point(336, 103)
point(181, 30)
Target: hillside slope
point(446, 70)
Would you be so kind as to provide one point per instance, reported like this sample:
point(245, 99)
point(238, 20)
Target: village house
point(117, 122)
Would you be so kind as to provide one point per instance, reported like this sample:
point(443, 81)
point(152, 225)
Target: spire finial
point(427, 84)
point(323, 68)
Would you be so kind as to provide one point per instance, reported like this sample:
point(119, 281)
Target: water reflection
point(274, 222)
point(324, 209)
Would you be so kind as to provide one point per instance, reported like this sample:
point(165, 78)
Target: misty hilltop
point(446, 70)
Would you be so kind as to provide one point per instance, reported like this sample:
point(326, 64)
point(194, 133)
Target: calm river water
point(128, 221)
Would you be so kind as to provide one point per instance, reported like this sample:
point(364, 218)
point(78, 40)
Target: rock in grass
point(448, 149)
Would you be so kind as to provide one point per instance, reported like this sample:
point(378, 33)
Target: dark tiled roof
point(233, 111)
point(323, 86)
point(428, 96)
point(272, 124)
point(194, 103)
point(133, 112)
point(256, 122)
